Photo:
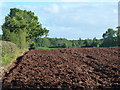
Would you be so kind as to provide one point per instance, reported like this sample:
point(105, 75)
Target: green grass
point(9, 52)
point(7, 59)
point(45, 48)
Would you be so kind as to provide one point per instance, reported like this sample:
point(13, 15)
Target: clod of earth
point(65, 68)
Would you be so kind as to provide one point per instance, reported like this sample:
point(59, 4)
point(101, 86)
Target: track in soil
point(65, 68)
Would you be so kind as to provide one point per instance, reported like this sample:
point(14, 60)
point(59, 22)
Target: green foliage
point(9, 51)
point(64, 43)
point(110, 38)
point(0, 37)
point(96, 42)
point(8, 47)
point(118, 35)
point(31, 46)
point(7, 59)
point(21, 27)
point(88, 43)
point(45, 48)
point(19, 39)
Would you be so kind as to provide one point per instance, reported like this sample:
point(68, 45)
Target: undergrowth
point(8, 53)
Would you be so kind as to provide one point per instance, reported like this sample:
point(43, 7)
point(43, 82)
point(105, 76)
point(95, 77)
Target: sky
point(69, 19)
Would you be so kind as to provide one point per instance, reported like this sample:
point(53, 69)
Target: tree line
point(111, 38)
point(22, 28)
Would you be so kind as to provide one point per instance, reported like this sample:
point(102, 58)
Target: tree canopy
point(118, 35)
point(110, 38)
point(21, 27)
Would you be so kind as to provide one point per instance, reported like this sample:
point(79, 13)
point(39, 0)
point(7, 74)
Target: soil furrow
point(84, 68)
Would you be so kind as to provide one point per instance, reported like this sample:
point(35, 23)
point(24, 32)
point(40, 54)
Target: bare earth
point(65, 68)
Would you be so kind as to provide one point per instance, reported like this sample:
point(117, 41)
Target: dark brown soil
point(65, 68)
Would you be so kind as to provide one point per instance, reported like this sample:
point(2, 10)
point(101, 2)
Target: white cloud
point(74, 17)
point(52, 9)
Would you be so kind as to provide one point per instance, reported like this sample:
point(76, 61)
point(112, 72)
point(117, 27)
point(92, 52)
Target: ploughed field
point(65, 68)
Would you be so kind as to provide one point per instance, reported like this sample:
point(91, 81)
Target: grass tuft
point(8, 52)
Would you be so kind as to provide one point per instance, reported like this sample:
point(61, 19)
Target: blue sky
point(71, 20)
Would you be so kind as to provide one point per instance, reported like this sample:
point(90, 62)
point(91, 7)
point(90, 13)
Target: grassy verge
point(45, 48)
point(8, 53)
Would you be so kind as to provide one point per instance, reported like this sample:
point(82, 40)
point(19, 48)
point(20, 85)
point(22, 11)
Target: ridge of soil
point(65, 68)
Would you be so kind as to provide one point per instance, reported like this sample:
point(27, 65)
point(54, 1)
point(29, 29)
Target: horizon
point(70, 20)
